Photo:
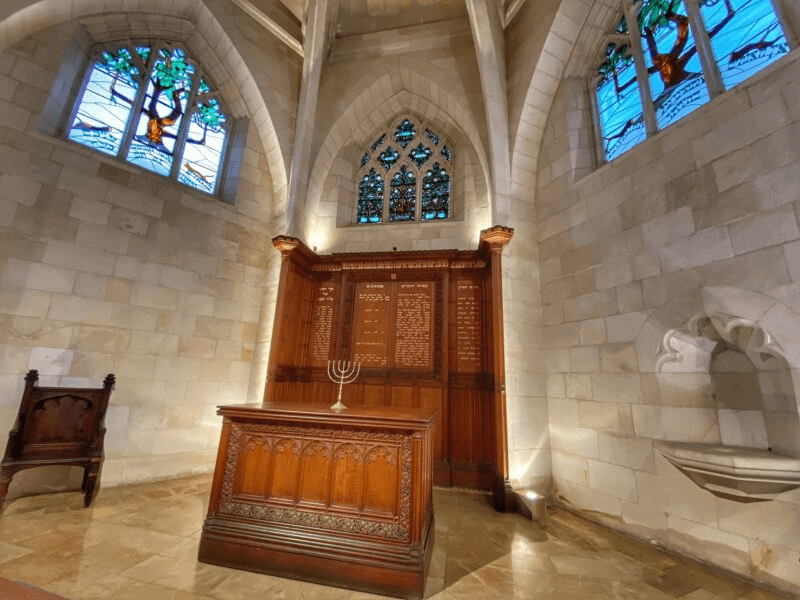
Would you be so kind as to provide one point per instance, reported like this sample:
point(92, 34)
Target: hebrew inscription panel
point(321, 319)
point(371, 324)
point(413, 347)
point(468, 326)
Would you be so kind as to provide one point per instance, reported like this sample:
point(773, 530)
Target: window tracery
point(665, 58)
point(413, 163)
point(151, 105)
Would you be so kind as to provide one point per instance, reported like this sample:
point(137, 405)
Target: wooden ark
point(427, 328)
point(340, 498)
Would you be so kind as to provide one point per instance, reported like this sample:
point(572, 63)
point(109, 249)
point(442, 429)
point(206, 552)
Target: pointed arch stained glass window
point(419, 188)
point(435, 194)
point(151, 105)
point(402, 196)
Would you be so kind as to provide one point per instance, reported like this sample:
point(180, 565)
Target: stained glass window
point(405, 133)
point(435, 194)
point(370, 198)
point(745, 36)
point(619, 104)
point(177, 127)
point(676, 76)
point(420, 155)
point(402, 196)
point(388, 157)
point(398, 161)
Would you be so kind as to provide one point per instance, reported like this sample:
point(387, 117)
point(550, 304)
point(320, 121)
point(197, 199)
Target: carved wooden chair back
point(58, 426)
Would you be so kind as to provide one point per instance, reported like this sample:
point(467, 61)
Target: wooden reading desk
point(338, 498)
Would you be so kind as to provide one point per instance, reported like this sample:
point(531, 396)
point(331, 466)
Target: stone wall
point(105, 268)
point(701, 218)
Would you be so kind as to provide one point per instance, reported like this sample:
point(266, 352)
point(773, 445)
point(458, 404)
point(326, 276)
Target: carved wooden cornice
point(494, 238)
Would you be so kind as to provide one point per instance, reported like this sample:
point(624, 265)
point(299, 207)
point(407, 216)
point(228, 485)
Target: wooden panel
point(286, 469)
point(314, 469)
point(348, 466)
point(424, 327)
point(381, 471)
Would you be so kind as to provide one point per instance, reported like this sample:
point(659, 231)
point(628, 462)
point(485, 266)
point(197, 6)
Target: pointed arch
point(189, 21)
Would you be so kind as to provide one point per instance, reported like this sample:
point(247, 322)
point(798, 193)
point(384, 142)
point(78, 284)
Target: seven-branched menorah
point(342, 371)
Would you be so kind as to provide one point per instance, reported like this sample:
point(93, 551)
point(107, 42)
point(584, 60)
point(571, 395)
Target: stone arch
point(390, 95)
point(568, 50)
point(192, 23)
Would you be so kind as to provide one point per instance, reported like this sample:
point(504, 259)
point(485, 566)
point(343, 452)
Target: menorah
point(342, 371)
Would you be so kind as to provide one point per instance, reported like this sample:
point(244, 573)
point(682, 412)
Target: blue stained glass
point(435, 194)
point(205, 143)
point(745, 36)
point(164, 105)
point(106, 104)
point(433, 137)
point(402, 196)
point(420, 155)
point(447, 153)
point(388, 157)
point(405, 133)
point(676, 76)
point(365, 159)
point(619, 103)
point(370, 198)
point(377, 143)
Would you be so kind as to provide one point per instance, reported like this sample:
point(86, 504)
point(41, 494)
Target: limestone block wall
point(701, 218)
point(106, 268)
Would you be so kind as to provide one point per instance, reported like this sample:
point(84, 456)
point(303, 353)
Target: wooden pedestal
point(339, 498)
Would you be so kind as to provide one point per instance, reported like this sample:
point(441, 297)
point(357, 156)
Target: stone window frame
point(788, 15)
point(68, 89)
point(419, 172)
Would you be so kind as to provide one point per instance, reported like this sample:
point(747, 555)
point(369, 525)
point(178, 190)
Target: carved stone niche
point(758, 456)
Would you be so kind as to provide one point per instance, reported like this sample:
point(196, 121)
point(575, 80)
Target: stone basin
point(734, 472)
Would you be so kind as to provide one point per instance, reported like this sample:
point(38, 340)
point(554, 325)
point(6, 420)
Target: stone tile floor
point(140, 543)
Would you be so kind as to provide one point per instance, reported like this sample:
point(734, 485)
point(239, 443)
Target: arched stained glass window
point(436, 193)
point(412, 156)
point(150, 105)
point(741, 36)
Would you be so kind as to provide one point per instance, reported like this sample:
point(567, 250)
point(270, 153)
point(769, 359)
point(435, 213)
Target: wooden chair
point(58, 426)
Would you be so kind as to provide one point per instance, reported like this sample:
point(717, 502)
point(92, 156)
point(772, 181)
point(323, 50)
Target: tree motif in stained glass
point(105, 107)
point(402, 196)
point(205, 143)
point(388, 157)
point(365, 159)
point(377, 143)
point(420, 155)
point(163, 108)
point(675, 74)
point(448, 155)
point(405, 133)
point(432, 137)
point(435, 194)
point(618, 101)
point(370, 198)
point(745, 36)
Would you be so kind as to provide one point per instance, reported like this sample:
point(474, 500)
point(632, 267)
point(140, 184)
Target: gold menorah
point(342, 371)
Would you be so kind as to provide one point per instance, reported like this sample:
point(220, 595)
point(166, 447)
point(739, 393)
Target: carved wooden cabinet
point(340, 498)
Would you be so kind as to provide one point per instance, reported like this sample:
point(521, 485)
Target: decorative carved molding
point(496, 237)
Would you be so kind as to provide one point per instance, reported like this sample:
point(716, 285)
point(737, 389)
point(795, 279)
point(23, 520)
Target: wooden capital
point(496, 237)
